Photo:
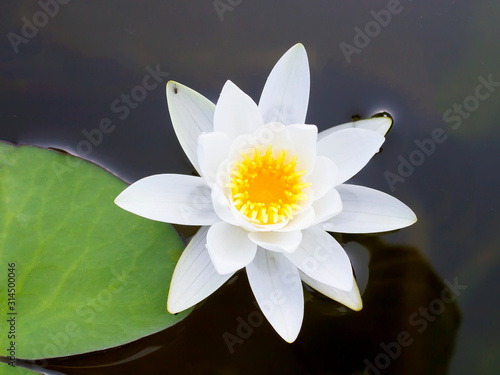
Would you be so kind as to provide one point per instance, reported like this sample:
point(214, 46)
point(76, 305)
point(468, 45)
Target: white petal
point(297, 139)
point(191, 114)
point(368, 210)
point(323, 176)
point(194, 276)
point(300, 221)
point(272, 133)
point(305, 138)
point(236, 113)
point(380, 125)
point(286, 93)
point(350, 150)
point(221, 206)
point(251, 227)
point(321, 257)
point(213, 149)
point(171, 198)
point(277, 241)
point(351, 299)
point(276, 285)
point(229, 247)
point(327, 206)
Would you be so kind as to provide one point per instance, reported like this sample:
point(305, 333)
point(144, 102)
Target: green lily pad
point(88, 275)
point(20, 367)
point(14, 370)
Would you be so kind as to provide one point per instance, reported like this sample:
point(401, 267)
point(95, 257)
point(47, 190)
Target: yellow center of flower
point(265, 189)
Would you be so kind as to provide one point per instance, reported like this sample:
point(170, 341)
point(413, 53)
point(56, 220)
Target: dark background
point(429, 57)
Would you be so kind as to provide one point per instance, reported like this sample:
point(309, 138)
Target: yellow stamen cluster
point(267, 189)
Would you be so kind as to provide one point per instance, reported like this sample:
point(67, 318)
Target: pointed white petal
point(380, 125)
point(286, 93)
point(171, 198)
point(236, 113)
point(300, 221)
point(305, 138)
point(277, 241)
point(351, 299)
point(213, 149)
point(327, 206)
point(321, 257)
point(276, 285)
point(229, 247)
point(191, 114)
point(368, 210)
point(350, 150)
point(194, 276)
point(323, 177)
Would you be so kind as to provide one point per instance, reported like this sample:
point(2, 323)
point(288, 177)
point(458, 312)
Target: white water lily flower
point(268, 192)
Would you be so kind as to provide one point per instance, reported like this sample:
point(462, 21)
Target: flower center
point(265, 189)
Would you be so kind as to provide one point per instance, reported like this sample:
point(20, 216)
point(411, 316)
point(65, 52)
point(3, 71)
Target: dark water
point(428, 65)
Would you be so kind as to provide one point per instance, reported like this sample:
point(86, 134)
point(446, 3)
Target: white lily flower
point(268, 192)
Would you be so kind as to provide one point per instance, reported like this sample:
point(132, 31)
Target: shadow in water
point(408, 326)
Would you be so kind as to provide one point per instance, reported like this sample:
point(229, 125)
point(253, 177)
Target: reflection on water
point(408, 326)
